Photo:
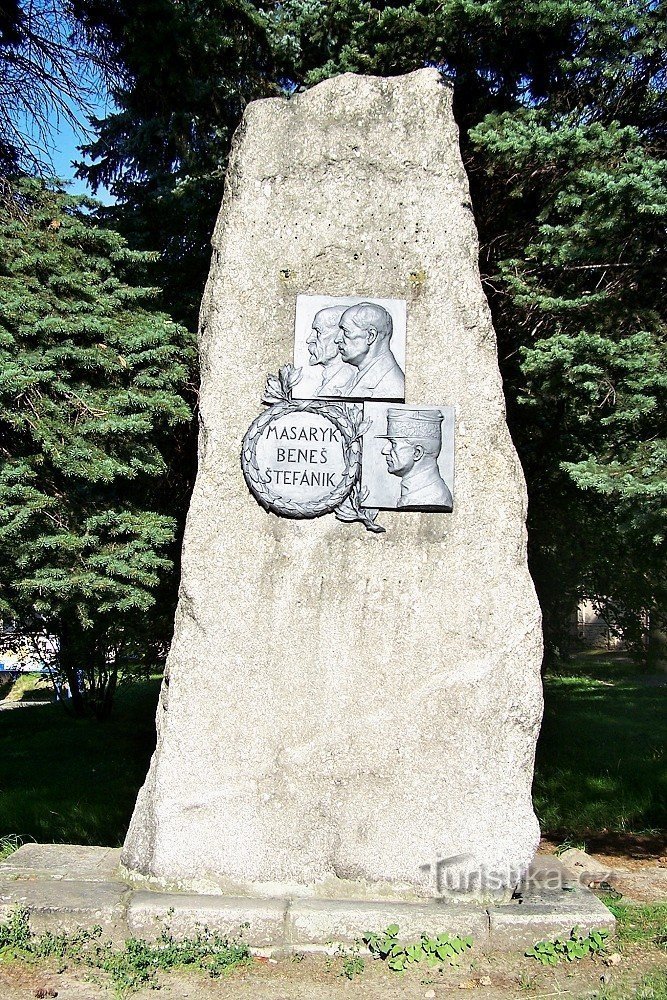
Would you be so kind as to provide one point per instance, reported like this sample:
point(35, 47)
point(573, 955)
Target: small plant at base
point(15, 932)
point(353, 963)
point(433, 951)
point(570, 843)
point(575, 947)
point(129, 968)
point(8, 845)
point(526, 982)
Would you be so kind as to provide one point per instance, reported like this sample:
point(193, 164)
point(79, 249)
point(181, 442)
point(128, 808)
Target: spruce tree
point(561, 106)
point(563, 112)
point(92, 387)
point(184, 73)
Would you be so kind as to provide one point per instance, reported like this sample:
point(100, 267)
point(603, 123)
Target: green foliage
point(185, 72)
point(445, 948)
point(573, 948)
point(15, 931)
point(639, 924)
point(653, 986)
point(92, 383)
point(469, 38)
point(352, 964)
point(131, 967)
point(575, 271)
point(569, 844)
point(562, 107)
point(601, 757)
point(8, 844)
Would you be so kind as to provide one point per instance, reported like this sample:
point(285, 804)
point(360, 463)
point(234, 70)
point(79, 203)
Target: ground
point(600, 784)
point(641, 973)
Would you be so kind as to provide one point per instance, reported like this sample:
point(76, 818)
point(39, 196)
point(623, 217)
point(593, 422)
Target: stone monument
point(353, 696)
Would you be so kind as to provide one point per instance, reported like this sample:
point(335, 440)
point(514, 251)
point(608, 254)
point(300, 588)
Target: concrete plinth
point(54, 883)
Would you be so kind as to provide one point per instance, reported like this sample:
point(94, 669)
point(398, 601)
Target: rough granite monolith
point(344, 711)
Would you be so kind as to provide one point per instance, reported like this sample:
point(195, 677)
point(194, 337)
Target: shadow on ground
point(66, 780)
point(601, 762)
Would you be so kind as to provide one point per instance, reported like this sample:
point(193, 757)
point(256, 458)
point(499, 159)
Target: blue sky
point(64, 141)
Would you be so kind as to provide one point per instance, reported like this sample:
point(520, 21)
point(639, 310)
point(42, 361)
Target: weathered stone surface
point(339, 705)
point(321, 921)
point(73, 862)
point(545, 875)
point(61, 905)
point(551, 904)
point(183, 913)
point(516, 926)
point(584, 868)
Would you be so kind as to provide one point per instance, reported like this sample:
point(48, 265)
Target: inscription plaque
point(301, 458)
point(316, 450)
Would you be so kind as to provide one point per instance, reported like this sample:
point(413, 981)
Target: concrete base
point(67, 887)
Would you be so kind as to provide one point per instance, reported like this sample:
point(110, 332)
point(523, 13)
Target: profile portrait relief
point(408, 457)
point(364, 341)
point(350, 348)
point(323, 350)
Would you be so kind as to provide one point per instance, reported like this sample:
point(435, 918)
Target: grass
point(640, 930)
point(600, 761)
point(639, 925)
point(67, 780)
point(31, 687)
point(8, 845)
point(651, 987)
point(601, 754)
point(136, 964)
point(601, 664)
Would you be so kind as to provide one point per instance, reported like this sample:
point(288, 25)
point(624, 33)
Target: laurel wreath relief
point(346, 500)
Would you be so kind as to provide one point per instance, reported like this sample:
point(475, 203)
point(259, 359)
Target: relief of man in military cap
point(363, 339)
point(323, 350)
point(413, 443)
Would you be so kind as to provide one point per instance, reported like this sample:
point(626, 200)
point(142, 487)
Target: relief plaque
point(335, 437)
point(350, 347)
point(408, 460)
point(302, 458)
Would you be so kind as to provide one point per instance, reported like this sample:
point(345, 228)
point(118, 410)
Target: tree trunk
point(656, 647)
point(105, 701)
point(71, 660)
